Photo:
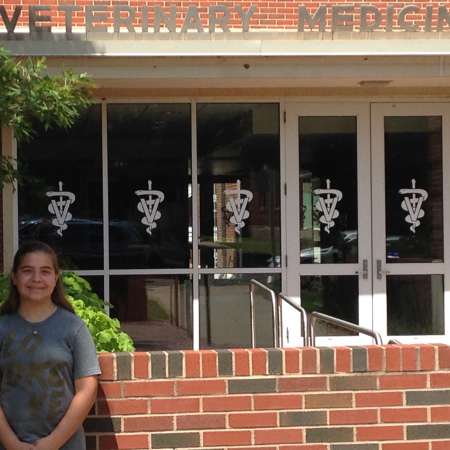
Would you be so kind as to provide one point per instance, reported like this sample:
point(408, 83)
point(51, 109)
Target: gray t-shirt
point(38, 365)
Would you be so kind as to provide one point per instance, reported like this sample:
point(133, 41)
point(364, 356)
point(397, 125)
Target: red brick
point(192, 364)
point(279, 436)
point(254, 447)
point(148, 388)
point(278, 401)
point(123, 441)
point(125, 406)
point(440, 380)
point(252, 420)
point(406, 446)
point(427, 357)
point(404, 381)
point(410, 358)
point(302, 384)
point(241, 362)
point(379, 433)
point(107, 363)
point(200, 421)
point(259, 361)
point(375, 358)
point(441, 445)
point(303, 447)
point(440, 414)
point(148, 423)
point(209, 363)
point(212, 438)
point(141, 363)
point(354, 416)
point(292, 360)
point(444, 356)
point(309, 360)
point(194, 387)
point(109, 390)
point(343, 357)
point(227, 403)
point(174, 405)
point(403, 415)
point(393, 358)
point(378, 399)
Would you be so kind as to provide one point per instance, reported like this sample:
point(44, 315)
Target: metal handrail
point(254, 284)
point(304, 319)
point(317, 316)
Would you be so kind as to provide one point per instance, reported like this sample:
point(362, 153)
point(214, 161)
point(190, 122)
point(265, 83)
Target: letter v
point(10, 24)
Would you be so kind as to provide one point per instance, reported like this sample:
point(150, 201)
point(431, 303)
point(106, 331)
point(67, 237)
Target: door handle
point(365, 273)
point(380, 270)
point(365, 269)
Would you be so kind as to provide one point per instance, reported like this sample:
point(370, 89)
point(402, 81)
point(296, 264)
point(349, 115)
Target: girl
point(48, 362)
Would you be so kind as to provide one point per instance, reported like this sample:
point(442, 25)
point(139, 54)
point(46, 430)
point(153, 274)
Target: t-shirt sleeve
point(85, 361)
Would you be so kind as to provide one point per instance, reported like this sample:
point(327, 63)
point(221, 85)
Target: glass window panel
point(413, 168)
point(149, 165)
point(97, 284)
point(225, 310)
point(69, 161)
point(336, 296)
point(328, 190)
point(415, 304)
point(239, 180)
point(156, 311)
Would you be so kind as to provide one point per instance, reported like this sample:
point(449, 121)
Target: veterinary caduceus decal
point(326, 204)
point(238, 200)
point(60, 202)
point(149, 201)
point(412, 203)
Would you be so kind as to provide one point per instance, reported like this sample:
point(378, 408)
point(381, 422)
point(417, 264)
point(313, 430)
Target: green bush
point(90, 308)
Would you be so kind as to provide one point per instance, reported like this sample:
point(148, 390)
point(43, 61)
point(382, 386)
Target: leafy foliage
point(29, 95)
point(90, 308)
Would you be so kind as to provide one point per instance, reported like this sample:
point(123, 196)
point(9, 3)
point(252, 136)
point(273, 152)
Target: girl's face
point(35, 278)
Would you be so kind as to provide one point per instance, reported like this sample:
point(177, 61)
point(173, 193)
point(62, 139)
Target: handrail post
point(255, 283)
point(252, 315)
point(303, 317)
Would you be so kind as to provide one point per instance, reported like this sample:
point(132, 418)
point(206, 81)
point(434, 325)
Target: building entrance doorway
point(367, 198)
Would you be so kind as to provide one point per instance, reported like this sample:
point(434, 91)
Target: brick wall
point(360, 398)
point(269, 14)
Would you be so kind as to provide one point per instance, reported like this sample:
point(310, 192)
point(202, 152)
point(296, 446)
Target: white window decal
point(412, 203)
point(148, 205)
point(59, 207)
point(237, 204)
point(326, 204)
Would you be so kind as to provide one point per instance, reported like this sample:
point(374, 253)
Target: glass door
point(410, 188)
point(328, 217)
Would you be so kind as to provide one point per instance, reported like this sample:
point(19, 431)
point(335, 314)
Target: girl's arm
point(7, 436)
point(81, 404)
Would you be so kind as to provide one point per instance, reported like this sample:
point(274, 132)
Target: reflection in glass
point(415, 304)
point(156, 311)
point(336, 296)
point(71, 157)
point(239, 181)
point(149, 148)
point(413, 168)
point(97, 284)
point(225, 310)
point(328, 190)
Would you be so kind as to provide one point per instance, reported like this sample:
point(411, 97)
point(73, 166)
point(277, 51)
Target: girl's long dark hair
point(12, 303)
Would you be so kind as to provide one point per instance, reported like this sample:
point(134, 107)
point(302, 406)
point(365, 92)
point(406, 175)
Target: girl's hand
point(21, 446)
point(45, 444)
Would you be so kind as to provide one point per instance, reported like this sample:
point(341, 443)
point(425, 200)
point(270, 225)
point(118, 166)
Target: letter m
point(317, 19)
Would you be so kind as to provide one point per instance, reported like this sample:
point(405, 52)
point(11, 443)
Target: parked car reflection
point(81, 245)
